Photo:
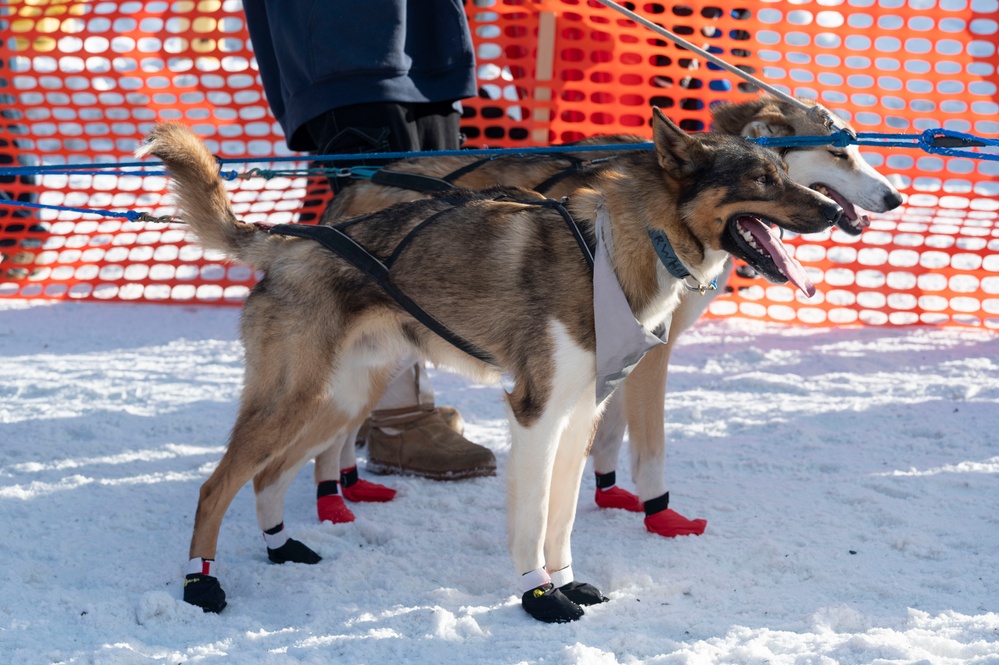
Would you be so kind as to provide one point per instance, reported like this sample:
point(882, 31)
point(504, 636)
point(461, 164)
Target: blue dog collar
point(671, 261)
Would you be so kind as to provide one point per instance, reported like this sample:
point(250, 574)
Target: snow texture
point(849, 478)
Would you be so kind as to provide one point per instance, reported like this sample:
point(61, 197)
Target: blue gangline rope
point(937, 141)
point(130, 215)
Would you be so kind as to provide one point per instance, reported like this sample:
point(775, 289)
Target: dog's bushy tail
point(201, 198)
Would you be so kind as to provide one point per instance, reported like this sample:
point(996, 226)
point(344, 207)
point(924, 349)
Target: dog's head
point(839, 173)
point(731, 192)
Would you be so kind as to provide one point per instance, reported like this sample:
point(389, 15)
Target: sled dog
point(511, 277)
point(839, 173)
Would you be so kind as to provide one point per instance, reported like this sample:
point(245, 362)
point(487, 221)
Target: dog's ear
point(767, 124)
point(679, 153)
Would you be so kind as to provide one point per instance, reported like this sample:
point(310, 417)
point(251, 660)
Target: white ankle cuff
point(276, 540)
point(562, 577)
point(534, 579)
point(199, 566)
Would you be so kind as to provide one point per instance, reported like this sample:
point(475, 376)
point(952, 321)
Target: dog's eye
point(839, 155)
point(765, 180)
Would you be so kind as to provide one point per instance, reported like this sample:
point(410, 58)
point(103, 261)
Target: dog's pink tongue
point(769, 239)
point(857, 220)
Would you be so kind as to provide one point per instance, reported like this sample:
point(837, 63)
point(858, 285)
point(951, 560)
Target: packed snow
point(849, 478)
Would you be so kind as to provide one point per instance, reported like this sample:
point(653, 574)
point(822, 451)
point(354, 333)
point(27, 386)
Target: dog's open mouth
point(852, 222)
point(758, 244)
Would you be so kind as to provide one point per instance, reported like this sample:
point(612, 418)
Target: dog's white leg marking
point(566, 478)
point(533, 453)
point(270, 500)
point(330, 462)
point(348, 452)
point(607, 442)
point(270, 497)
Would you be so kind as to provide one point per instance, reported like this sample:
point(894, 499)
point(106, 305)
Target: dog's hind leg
point(252, 446)
point(644, 395)
point(270, 484)
point(329, 466)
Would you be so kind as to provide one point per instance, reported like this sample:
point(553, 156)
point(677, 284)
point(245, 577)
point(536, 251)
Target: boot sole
point(394, 470)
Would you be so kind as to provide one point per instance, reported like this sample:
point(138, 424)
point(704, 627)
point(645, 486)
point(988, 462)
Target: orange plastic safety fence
point(86, 80)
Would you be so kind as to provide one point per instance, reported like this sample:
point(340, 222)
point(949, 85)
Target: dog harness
point(621, 340)
point(337, 241)
point(425, 184)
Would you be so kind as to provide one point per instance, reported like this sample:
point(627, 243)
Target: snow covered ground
point(849, 477)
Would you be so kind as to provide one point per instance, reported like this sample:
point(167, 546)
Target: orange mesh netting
point(83, 82)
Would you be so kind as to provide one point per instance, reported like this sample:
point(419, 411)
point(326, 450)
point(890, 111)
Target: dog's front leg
point(606, 451)
point(534, 443)
point(644, 395)
point(566, 478)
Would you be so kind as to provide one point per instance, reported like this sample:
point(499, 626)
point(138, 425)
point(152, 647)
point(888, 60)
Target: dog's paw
point(548, 604)
point(617, 497)
point(669, 523)
point(331, 508)
point(582, 593)
point(365, 490)
point(294, 552)
point(205, 592)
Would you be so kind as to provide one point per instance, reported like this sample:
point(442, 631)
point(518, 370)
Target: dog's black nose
point(892, 200)
point(832, 212)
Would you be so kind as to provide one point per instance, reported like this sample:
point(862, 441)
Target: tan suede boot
point(417, 441)
point(450, 415)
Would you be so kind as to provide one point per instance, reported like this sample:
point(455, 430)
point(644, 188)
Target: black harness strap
point(347, 248)
point(467, 168)
point(573, 227)
point(411, 181)
point(576, 165)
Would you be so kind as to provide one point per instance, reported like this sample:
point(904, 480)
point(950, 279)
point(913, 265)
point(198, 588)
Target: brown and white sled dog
point(840, 173)
point(504, 273)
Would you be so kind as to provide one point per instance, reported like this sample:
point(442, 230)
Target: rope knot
point(135, 216)
point(842, 138)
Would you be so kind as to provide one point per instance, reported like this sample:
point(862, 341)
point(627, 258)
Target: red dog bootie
point(358, 490)
point(662, 521)
point(330, 505)
point(616, 497)
point(609, 495)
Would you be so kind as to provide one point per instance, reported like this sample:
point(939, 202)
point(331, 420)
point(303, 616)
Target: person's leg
point(363, 128)
point(438, 125)
point(407, 432)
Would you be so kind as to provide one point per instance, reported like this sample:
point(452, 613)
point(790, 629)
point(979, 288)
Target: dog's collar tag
point(674, 266)
point(700, 288)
